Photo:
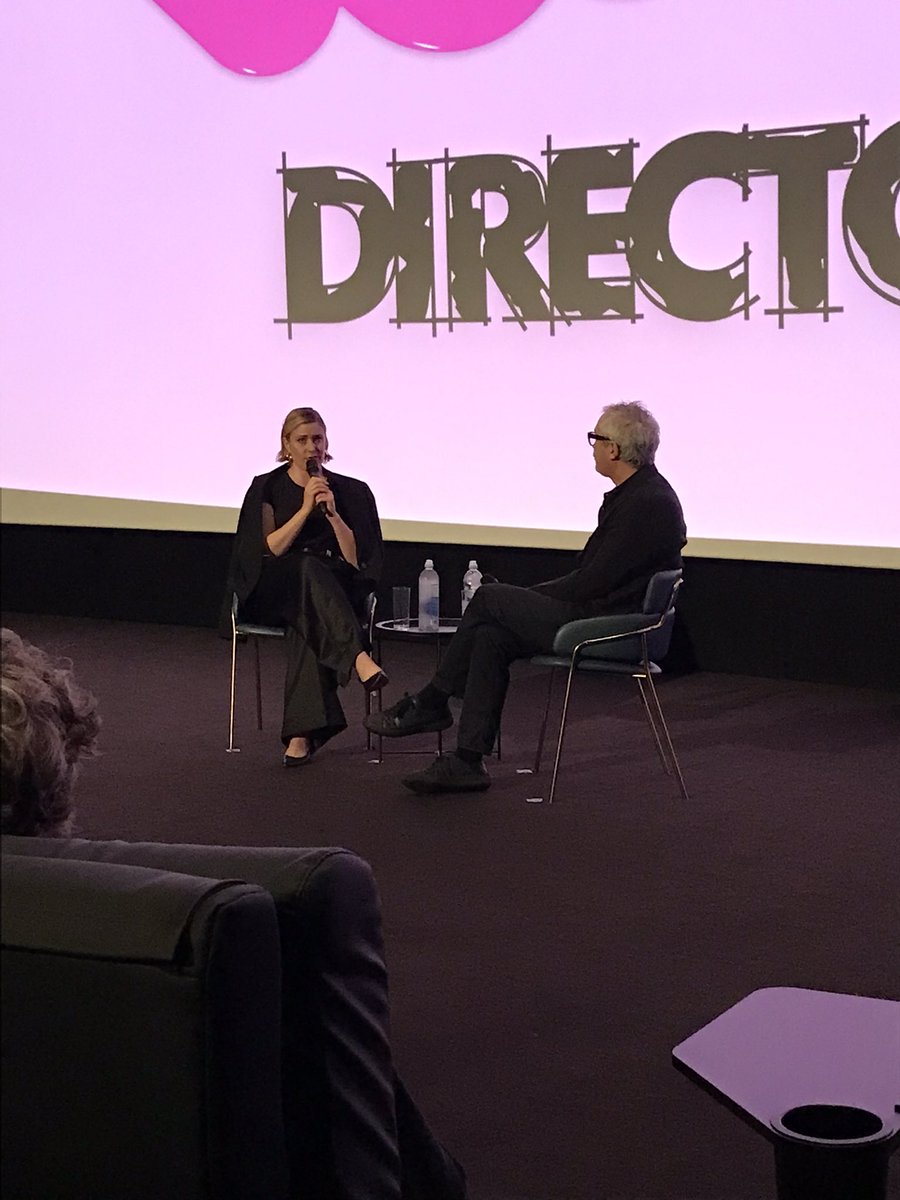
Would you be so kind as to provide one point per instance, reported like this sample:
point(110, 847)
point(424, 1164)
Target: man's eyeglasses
point(599, 437)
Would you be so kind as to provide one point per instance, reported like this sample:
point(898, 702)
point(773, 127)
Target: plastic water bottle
point(471, 583)
point(429, 598)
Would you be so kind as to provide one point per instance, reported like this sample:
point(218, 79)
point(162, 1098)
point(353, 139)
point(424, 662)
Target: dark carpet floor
point(545, 960)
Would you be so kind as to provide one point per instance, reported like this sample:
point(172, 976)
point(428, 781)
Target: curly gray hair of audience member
point(50, 724)
point(635, 431)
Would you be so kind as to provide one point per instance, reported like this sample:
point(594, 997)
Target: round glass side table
point(409, 631)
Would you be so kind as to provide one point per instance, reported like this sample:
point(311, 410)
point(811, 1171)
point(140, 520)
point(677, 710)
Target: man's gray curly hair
point(634, 430)
point(49, 724)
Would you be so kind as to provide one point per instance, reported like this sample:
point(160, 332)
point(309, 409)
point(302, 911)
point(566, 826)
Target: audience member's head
point(634, 430)
point(49, 725)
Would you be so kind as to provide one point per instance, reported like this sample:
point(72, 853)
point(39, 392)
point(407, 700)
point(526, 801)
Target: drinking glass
point(401, 606)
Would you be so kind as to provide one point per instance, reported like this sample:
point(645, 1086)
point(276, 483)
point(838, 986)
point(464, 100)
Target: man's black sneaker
point(449, 773)
point(408, 716)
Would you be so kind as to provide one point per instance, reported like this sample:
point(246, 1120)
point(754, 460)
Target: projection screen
point(458, 231)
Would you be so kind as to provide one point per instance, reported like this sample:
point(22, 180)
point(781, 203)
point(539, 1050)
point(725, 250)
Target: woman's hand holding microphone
point(318, 494)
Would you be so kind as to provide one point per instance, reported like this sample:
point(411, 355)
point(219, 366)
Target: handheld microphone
point(312, 468)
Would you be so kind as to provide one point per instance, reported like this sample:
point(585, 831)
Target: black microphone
point(312, 468)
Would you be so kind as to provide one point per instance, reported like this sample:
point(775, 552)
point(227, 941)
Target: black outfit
point(312, 591)
point(640, 530)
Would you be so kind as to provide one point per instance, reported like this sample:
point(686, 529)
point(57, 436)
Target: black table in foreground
point(818, 1074)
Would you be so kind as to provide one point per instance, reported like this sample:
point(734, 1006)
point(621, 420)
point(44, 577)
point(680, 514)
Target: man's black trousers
point(502, 623)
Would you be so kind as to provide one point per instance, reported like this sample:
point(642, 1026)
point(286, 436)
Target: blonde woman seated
point(308, 551)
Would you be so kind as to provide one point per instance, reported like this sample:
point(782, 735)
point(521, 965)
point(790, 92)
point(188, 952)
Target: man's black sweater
point(640, 530)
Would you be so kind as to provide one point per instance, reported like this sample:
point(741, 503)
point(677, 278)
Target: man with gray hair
point(640, 530)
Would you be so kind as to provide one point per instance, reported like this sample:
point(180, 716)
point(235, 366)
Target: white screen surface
point(145, 358)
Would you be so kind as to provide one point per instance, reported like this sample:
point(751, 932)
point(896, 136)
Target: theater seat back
point(141, 1034)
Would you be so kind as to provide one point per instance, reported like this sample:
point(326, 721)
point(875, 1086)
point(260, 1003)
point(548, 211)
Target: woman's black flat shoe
point(376, 682)
point(296, 760)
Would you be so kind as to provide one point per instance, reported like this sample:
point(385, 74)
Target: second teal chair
point(623, 644)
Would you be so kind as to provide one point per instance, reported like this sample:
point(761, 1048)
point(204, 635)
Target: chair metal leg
point(540, 745)
point(376, 641)
point(562, 730)
point(379, 700)
point(671, 749)
point(231, 748)
point(373, 698)
point(258, 686)
point(648, 713)
point(375, 651)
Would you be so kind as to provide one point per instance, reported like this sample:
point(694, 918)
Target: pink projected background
point(144, 261)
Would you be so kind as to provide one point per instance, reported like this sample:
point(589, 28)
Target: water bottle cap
point(473, 565)
point(429, 564)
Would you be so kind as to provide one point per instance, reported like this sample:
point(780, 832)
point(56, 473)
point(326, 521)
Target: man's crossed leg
point(501, 623)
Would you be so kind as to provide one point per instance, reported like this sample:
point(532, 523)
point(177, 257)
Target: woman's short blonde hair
point(300, 416)
point(49, 724)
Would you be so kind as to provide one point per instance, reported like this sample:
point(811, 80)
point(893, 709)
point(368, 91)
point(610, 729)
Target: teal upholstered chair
point(625, 644)
point(252, 631)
